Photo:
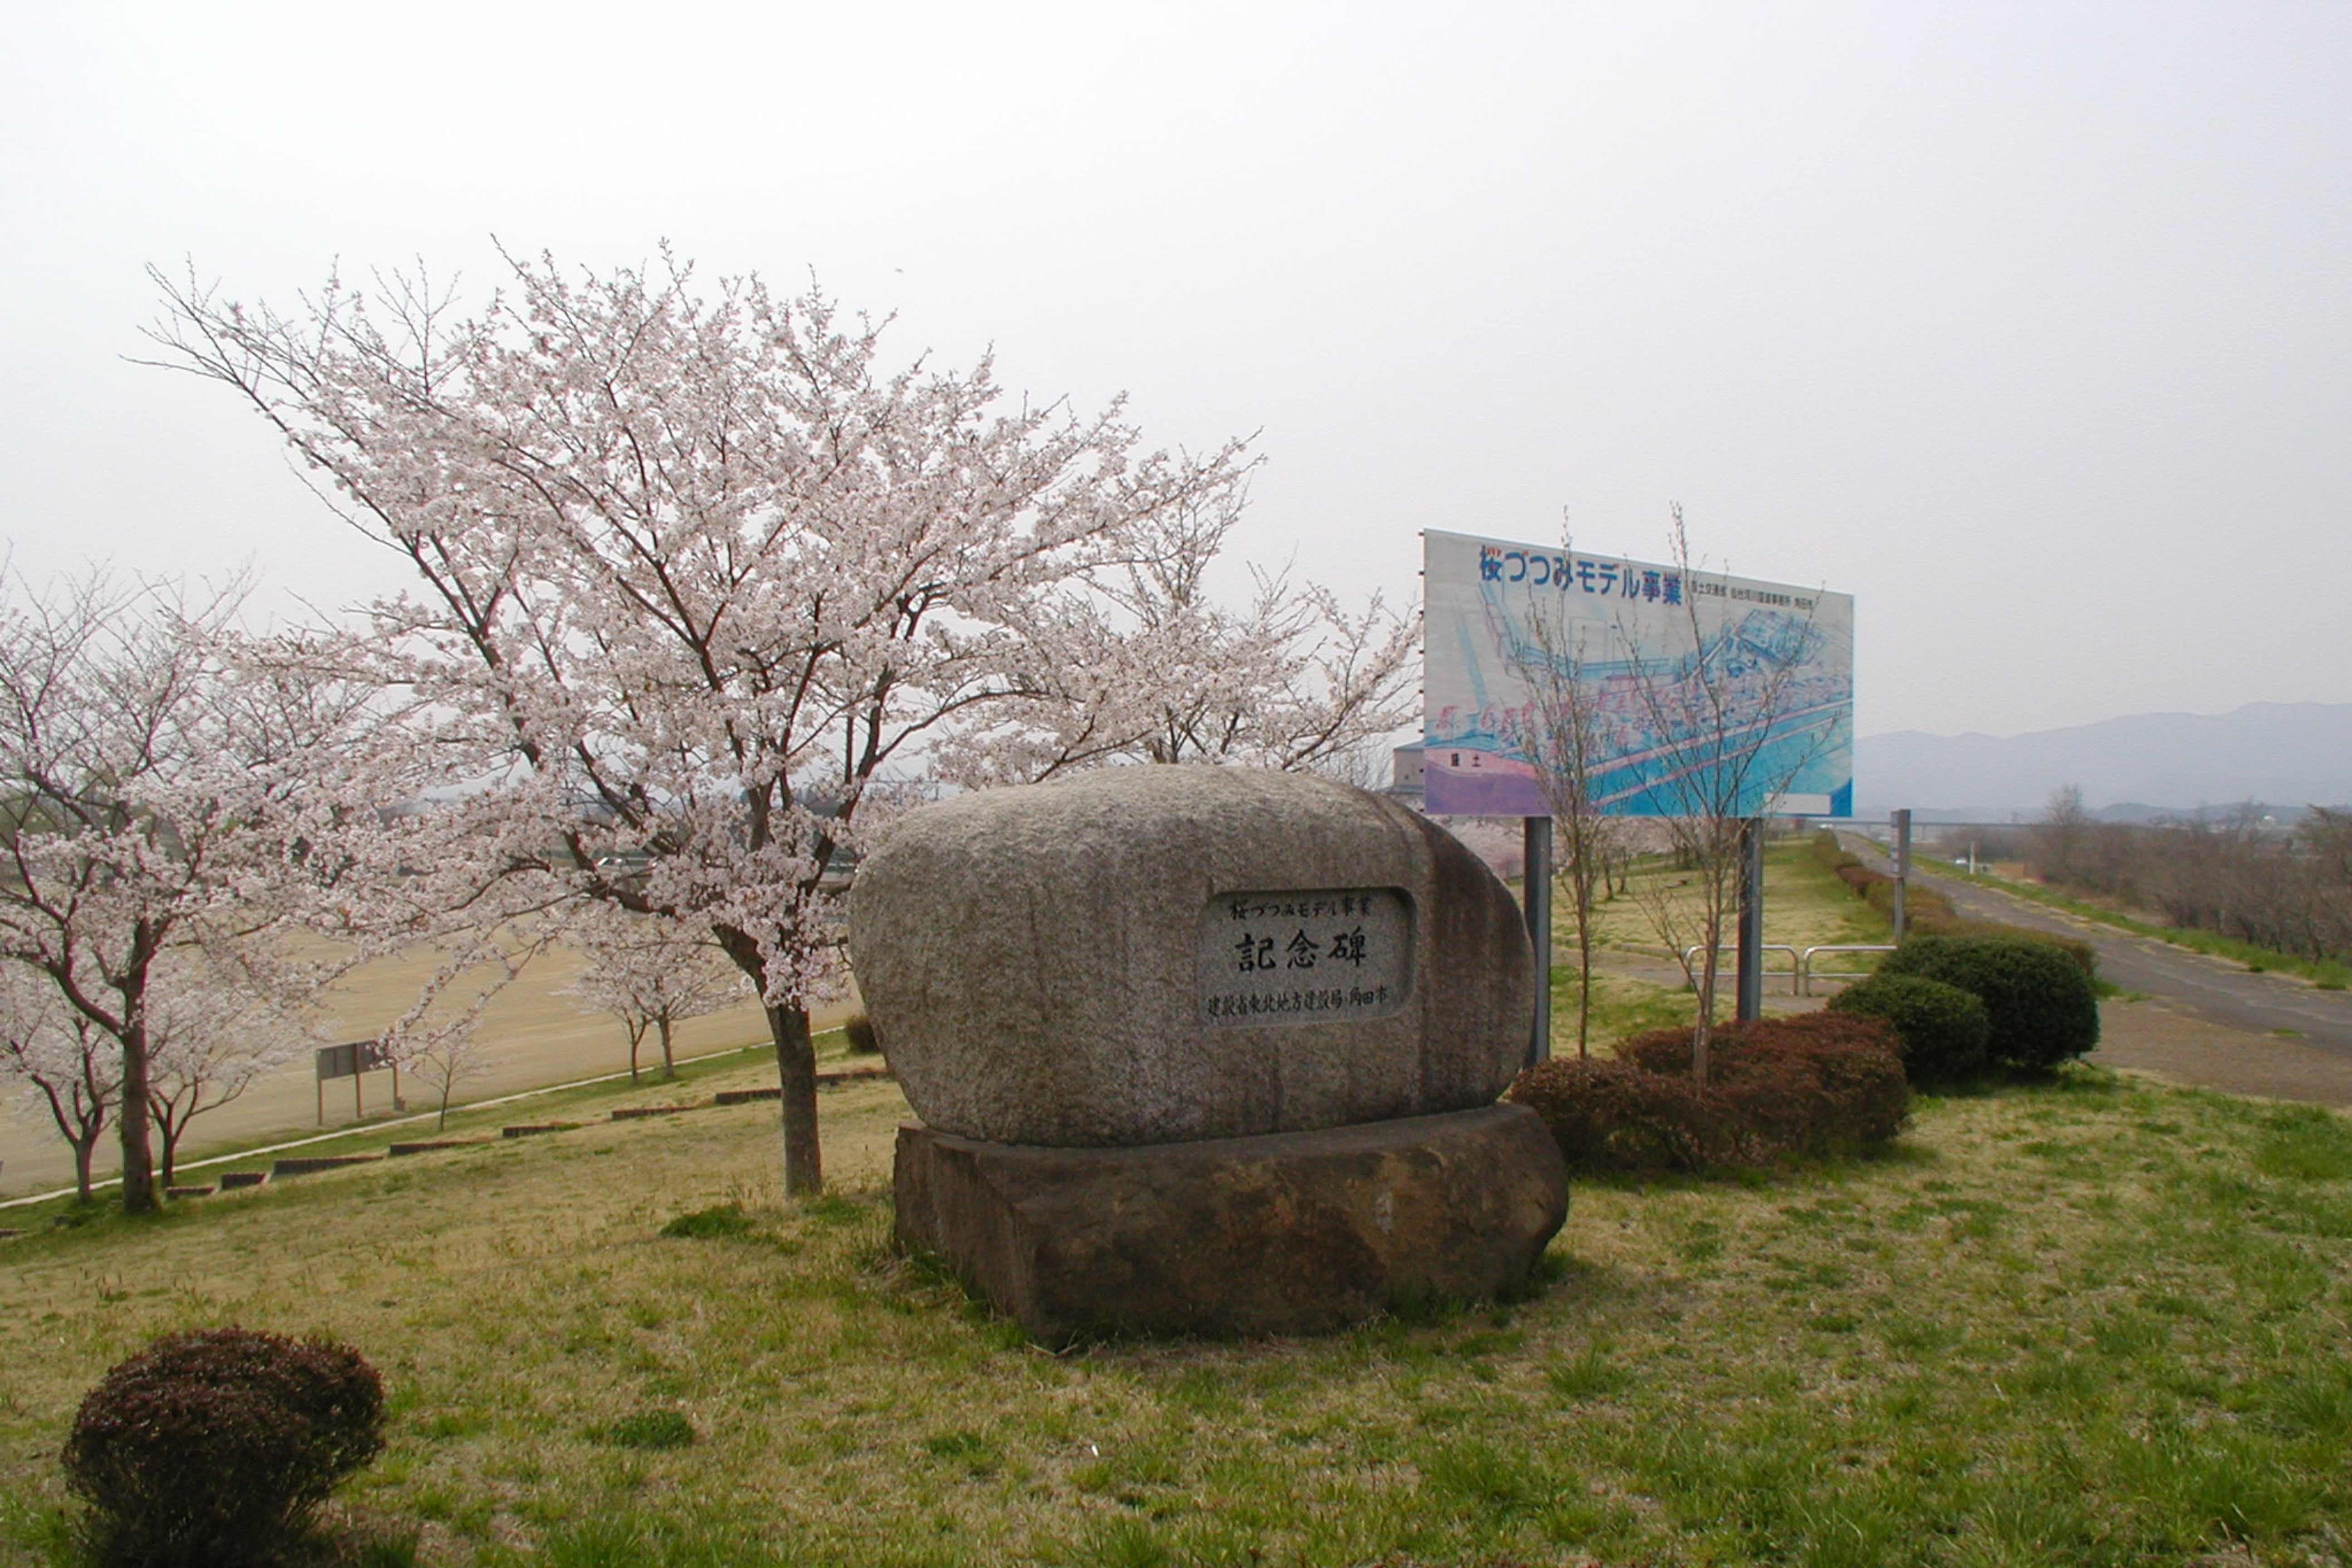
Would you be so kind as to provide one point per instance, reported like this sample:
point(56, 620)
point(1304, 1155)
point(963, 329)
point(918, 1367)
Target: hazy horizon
point(2110, 718)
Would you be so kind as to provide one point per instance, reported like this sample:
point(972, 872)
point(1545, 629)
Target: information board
point(1690, 678)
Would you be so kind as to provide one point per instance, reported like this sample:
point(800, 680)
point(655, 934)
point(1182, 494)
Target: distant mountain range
point(2281, 754)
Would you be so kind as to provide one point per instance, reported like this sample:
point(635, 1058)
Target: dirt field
point(535, 1037)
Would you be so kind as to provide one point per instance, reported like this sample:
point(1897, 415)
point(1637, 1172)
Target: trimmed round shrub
point(212, 1448)
point(863, 1040)
point(1944, 1029)
point(2042, 1006)
point(1614, 1116)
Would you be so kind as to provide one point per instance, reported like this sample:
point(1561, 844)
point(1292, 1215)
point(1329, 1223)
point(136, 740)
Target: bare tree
point(1733, 724)
point(2059, 836)
point(1561, 736)
point(2239, 873)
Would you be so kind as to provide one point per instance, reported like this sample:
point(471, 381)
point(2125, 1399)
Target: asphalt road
point(2214, 990)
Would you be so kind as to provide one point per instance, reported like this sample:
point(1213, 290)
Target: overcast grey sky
point(2029, 325)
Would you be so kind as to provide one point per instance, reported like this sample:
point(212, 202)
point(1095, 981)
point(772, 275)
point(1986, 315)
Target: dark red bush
point(211, 1449)
point(1810, 1084)
point(1806, 1084)
point(1858, 876)
point(1615, 1116)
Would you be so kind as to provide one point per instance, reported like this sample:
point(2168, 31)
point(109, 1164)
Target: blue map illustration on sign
point(1702, 687)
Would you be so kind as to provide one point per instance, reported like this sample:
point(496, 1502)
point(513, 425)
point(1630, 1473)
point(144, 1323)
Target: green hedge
point(1946, 1031)
point(2043, 1005)
point(1927, 912)
point(2080, 953)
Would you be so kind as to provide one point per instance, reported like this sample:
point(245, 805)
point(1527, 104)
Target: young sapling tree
point(652, 975)
point(1729, 705)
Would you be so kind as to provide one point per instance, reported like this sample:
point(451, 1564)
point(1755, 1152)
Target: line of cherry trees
point(693, 573)
point(2238, 875)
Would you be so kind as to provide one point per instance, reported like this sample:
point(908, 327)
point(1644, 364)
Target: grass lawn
point(2092, 1323)
point(1804, 906)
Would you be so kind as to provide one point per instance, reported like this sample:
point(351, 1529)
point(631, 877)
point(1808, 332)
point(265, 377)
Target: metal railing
point(1808, 972)
point(1802, 971)
point(1793, 974)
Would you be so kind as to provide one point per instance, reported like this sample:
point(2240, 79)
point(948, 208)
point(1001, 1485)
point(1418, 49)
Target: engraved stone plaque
point(1304, 956)
point(1064, 964)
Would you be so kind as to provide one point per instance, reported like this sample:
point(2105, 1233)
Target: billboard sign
point(1705, 693)
point(350, 1059)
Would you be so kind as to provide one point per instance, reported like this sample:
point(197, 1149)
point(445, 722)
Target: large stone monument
point(1204, 1049)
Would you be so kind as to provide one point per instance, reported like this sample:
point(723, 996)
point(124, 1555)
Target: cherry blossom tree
point(151, 800)
point(1155, 667)
point(211, 1036)
point(697, 569)
point(653, 974)
point(65, 1065)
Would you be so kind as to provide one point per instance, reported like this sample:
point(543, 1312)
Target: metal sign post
point(1902, 820)
point(1536, 882)
point(351, 1059)
point(1751, 918)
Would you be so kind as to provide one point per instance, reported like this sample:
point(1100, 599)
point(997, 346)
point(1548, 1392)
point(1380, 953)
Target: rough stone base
point(1290, 1233)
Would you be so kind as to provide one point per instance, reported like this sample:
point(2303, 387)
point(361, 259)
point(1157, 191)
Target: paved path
point(2209, 1021)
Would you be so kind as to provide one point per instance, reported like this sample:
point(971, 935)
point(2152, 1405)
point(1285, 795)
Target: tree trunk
point(669, 1062)
point(83, 1149)
point(1705, 1031)
point(796, 1075)
point(1584, 992)
point(137, 1161)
